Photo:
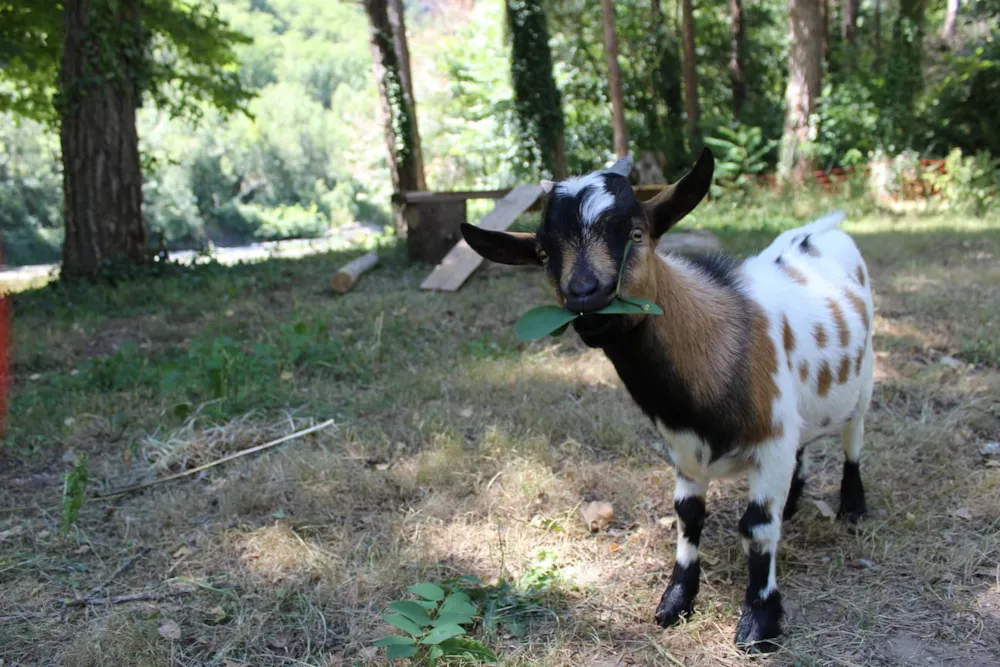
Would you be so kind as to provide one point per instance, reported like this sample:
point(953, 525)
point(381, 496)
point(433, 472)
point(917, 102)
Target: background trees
point(504, 91)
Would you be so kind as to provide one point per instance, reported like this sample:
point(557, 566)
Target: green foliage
point(435, 627)
point(970, 184)
point(74, 489)
point(537, 102)
point(740, 154)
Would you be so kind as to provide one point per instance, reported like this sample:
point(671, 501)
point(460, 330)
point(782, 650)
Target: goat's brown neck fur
point(701, 329)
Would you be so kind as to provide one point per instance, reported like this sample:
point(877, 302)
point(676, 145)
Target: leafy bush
point(968, 183)
point(740, 154)
point(433, 627)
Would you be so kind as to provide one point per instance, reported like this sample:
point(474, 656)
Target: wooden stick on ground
point(344, 279)
point(126, 564)
point(235, 455)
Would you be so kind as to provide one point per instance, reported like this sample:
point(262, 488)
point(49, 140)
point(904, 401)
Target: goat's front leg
point(678, 598)
point(770, 479)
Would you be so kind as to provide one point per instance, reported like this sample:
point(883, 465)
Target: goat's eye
point(543, 256)
point(637, 236)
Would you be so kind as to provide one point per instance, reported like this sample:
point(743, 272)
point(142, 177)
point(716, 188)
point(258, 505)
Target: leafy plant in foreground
point(433, 627)
point(74, 486)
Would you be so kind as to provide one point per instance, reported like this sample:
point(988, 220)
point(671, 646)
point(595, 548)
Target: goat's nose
point(582, 286)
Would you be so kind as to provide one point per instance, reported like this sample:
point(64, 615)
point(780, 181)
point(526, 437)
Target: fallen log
point(343, 280)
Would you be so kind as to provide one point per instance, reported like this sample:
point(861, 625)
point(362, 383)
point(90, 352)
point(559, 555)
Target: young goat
point(750, 361)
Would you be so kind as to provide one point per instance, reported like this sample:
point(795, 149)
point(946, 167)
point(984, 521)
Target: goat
point(750, 361)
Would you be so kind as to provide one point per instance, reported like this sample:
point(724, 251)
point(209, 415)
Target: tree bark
point(614, 79)
point(737, 73)
point(877, 29)
point(849, 22)
point(950, 19)
point(102, 178)
point(690, 73)
point(537, 102)
point(805, 78)
point(397, 116)
point(397, 19)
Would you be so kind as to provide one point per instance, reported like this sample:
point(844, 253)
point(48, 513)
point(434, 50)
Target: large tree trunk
point(397, 116)
point(737, 73)
point(950, 19)
point(102, 179)
point(614, 79)
point(690, 74)
point(849, 22)
point(805, 78)
point(397, 19)
point(537, 101)
point(877, 29)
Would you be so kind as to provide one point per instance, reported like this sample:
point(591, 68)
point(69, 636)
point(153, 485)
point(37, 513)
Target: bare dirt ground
point(458, 450)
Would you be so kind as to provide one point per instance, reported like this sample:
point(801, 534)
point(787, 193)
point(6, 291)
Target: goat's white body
point(833, 267)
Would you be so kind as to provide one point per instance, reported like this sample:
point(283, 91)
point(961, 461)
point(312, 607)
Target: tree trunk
point(102, 178)
point(397, 19)
point(950, 18)
point(537, 102)
point(878, 35)
point(397, 116)
point(690, 73)
point(737, 73)
point(805, 78)
point(614, 79)
point(824, 12)
point(849, 23)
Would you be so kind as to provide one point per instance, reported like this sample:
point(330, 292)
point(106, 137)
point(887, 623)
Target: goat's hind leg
point(770, 480)
point(798, 484)
point(678, 598)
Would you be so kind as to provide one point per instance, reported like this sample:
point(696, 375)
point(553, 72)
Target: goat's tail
point(790, 237)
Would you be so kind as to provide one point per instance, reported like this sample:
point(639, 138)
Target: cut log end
point(345, 278)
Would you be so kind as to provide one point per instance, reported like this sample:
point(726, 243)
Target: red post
point(5, 336)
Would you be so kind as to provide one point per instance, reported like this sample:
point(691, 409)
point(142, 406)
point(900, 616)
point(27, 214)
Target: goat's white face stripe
point(596, 198)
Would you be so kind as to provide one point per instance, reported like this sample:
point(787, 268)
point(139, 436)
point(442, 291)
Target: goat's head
point(586, 225)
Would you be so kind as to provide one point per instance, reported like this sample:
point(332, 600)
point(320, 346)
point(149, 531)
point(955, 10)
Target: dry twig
point(126, 564)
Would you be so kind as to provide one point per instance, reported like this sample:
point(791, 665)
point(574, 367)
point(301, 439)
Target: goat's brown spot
point(859, 307)
point(838, 318)
point(763, 388)
point(787, 335)
point(844, 371)
point(819, 333)
point(824, 379)
point(858, 360)
point(861, 275)
point(803, 370)
point(794, 273)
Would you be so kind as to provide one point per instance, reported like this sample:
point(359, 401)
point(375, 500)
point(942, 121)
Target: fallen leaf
point(183, 551)
point(281, 640)
point(950, 361)
point(824, 509)
point(82, 549)
point(216, 614)
point(667, 521)
point(615, 547)
point(286, 375)
point(230, 312)
point(170, 630)
point(962, 513)
point(368, 652)
point(381, 466)
point(597, 515)
point(465, 413)
point(34, 376)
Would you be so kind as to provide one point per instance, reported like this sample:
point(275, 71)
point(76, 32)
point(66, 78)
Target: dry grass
point(465, 457)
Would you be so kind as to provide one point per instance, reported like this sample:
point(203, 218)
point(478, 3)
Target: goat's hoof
point(675, 603)
point(760, 625)
point(852, 509)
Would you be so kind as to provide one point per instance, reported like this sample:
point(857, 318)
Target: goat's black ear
point(502, 247)
point(675, 201)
